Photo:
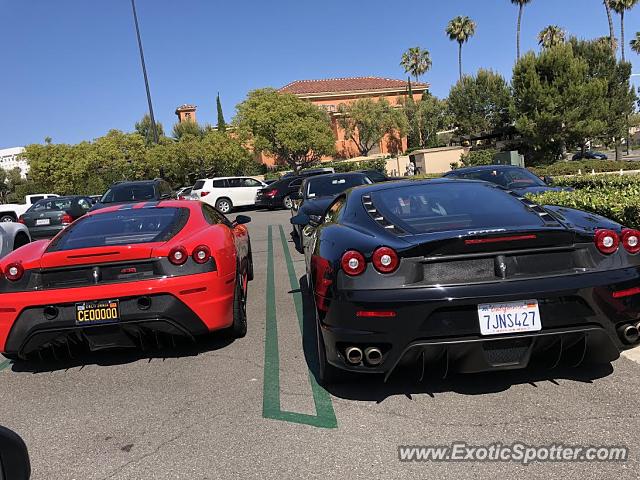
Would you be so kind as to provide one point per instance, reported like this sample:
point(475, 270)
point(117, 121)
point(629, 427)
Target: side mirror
point(241, 220)
point(300, 219)
point(14, 457)
point(548, 180)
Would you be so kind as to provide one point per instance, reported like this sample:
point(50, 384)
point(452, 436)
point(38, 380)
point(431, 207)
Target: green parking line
point(325, 416)
point(4, 364)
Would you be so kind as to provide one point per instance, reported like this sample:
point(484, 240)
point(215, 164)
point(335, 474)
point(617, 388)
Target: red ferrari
point(136, 275)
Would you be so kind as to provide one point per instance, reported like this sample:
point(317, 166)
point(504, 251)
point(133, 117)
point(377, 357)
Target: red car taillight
point(607, 241)
point(385, 260)
point(270, 193)
point(631, 240)
point(353, 263)
point(204, 194)
point(322, 280)
point(67, 219)
point(14, 271)
point(178, 255)
point(201, 254)
point(21, 219)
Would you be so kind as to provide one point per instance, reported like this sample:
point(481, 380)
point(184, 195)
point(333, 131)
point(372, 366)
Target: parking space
point(252, 408)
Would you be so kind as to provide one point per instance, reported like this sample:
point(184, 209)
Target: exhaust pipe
point(629, 334)
point(354, 355)
point(373, 356)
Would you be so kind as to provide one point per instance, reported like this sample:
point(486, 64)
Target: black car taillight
point(178, 255)
point(607, 241)
point(67, 219)
point(14, 271)
point(322, 279)
point(270, 193)
point(631, 240)
point(201, 254)
point(385, 260)
point(353, 263)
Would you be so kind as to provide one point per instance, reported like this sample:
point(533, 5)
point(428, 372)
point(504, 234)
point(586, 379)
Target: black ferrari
point(466, 276)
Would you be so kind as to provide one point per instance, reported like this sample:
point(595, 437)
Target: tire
point(11, 356)
point(249, 264)
point(20, 241)
point(327, 373)
point(287, 202)
point(239, 327)
point(224, 205)
point(7, 217)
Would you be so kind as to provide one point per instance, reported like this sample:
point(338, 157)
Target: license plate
point(43, 221)
point(103, 311)
point(509, 317)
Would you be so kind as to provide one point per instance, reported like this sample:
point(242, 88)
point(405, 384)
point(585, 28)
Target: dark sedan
point(514, 178)
point(279, 193)
point(48, 217)
point(463, 276)
point(590, 155)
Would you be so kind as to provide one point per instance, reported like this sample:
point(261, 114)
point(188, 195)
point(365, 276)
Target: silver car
point(12, 236)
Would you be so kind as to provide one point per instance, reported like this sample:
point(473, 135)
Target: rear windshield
point(55, 204)
point(325, 186)
point(198, 185)
point(129, 193)
point(122, 227)
point(508, 178)
point(452, 206)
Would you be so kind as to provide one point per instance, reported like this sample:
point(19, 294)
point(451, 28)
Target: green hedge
point(630, 183)
point(584, 166)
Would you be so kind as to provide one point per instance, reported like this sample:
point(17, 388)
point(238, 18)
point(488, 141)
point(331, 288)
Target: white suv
point(224, 193)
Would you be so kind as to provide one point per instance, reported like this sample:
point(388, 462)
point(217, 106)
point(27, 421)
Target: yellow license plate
point(103, 311)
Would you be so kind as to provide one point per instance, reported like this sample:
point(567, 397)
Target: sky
point(70, 69)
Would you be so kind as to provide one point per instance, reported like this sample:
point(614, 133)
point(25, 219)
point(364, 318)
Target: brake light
point(178, 255)
point(322, 280)
point(511, 238)
point(375, 313)
point(67, 219)
point(204, 194)
point(607, 241)
point(631, 240)
point(271, 193)
point(201, 254)
point(626, 293)
point(353, 263)
point(385, 260)
point(14, 271)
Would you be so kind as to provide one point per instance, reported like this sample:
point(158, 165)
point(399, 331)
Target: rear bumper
point(267, 202)
point(439, 327)
point(183, 306)
point(45, 232)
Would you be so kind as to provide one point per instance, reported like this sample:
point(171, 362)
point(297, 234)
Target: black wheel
point(287, 202)
point(7, 217)
point(239, 327)
point(20, 240)
point(224, 205)
point(250, 264)
point(327, 373)
point(11, 356)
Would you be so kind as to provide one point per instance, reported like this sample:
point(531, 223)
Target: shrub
point(478, 157)
point(584, 166)
point(630, 183)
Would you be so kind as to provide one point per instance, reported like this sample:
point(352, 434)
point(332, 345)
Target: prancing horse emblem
point(95, 273)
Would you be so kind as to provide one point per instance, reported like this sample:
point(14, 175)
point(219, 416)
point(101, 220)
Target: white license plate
point(43, 221)
point(509, 317)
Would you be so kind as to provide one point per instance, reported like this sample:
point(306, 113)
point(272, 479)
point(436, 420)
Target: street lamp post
point(154, 128)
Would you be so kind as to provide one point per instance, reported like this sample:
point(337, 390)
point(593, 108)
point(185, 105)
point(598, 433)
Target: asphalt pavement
point(251, 408)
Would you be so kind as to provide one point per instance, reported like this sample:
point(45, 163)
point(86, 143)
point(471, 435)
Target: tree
point(612, 33)
point(635, 43)
point(461, 29)
point(143, 127)
point(480, 103)
point(416, 62)
point(433, 117)
point(296, 132)
point(188, 127)
point(551, 36)
point(222, 125)
point(557, 103)
point(521, 4)
point(620, 7)
point(366, 122)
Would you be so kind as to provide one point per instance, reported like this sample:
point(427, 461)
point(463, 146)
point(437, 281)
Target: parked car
point(184, 193)
point(463, 276)
point(47, 218)
point(590, 155)
point(310, 172)
point(136, 191)
point(226, 193)
point(12, 236)
point(514, 178)
point(278, 194)
point(127, 277)
point(376, 176)
point(10, 212)
point(317, 193)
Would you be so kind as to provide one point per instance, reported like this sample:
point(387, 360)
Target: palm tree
point(521, 4)
point(416, 62)
point(620, 7)
point(612, 33)
point(635, 43)
point(551, 36)
point(461, 29)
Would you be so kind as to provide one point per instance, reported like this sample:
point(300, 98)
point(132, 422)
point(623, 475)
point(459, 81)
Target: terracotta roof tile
point(333, 85)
